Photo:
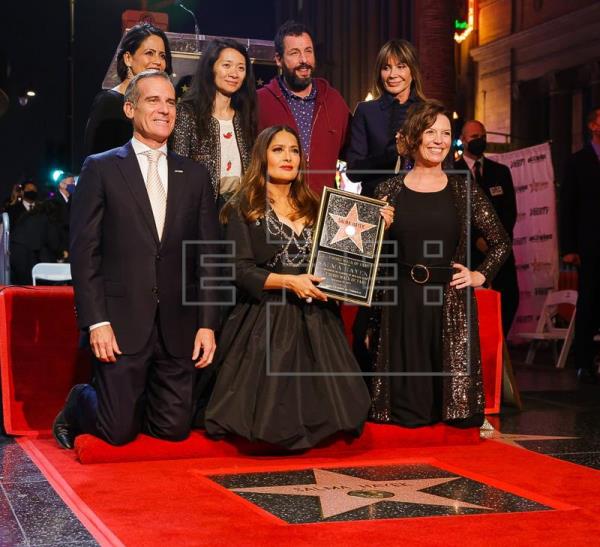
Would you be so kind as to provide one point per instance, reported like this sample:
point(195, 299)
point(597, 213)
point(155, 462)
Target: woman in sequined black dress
point(287, 375)
point(426, 346)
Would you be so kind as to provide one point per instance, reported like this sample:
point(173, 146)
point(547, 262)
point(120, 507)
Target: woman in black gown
point(144, 47)
point(287, 375)
point(426, 346)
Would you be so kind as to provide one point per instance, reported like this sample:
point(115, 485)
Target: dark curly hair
point(289, 28)
point(133, 39)
point(420, 116)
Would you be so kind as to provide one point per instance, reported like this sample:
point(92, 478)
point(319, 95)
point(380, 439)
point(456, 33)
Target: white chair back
point(51, 271)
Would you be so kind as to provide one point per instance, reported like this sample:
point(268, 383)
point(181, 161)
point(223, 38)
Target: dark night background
point(34, 42)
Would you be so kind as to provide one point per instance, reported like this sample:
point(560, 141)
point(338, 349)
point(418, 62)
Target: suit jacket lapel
point(175, 192)
point(130, 169)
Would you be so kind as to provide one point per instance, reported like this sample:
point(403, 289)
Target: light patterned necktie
point(156, 191)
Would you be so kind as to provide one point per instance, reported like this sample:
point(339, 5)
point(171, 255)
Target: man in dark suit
point(580, 239)
point(59, 210)
point(139, 217)
point(496, 181)
point(33, 237)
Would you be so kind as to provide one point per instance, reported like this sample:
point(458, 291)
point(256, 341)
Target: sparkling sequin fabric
point(185, 142)
point(462, 387)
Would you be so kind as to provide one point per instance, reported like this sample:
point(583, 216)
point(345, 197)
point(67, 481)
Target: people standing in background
point(216, 118)
point(580, 243)
point(33, 237)
point(144, 47)
point(309, 105)
point(396, 86)
point(496, 181)
point(59, 208)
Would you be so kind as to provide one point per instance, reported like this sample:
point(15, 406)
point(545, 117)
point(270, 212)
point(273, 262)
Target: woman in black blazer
point(396, 86)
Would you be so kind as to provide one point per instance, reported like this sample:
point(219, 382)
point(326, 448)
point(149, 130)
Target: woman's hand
point(387, 212)
point(466, 278)
point(304, 285)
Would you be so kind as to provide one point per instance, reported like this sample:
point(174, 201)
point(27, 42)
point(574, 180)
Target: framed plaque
point(347, 245)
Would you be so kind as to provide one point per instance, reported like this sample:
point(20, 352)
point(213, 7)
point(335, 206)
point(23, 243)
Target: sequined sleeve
point(184, 131)
point(485, 219)
point(389, 187)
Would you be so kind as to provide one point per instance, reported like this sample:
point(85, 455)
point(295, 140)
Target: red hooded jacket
point(331, 123)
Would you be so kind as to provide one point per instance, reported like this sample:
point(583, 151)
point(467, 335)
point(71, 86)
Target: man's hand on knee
point(205, 346)
point(104, 344)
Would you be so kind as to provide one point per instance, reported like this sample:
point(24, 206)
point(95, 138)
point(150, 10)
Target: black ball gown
point(286, 373)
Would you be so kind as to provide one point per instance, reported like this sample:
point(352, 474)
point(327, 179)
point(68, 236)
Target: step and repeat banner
point(535, 235)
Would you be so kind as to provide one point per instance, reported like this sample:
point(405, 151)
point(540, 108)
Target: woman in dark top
point(216, 119)
point(286, 373)
point(428, 340)
point(144, 47)
point(396, 86)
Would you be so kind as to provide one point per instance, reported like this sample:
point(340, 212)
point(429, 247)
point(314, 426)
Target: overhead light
point(455, 115)
point(31, 93)
point(56, 174)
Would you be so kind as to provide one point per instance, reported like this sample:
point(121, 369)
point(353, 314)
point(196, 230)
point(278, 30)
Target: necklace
point(300, 244)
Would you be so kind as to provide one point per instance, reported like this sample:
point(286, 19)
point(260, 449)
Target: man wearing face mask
point(33, 238)
point(496, 181)
point(309, 105)
point(580, 243)
point(59, 208)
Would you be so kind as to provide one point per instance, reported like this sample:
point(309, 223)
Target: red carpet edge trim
point(102, 534)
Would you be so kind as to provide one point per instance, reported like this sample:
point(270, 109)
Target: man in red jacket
point(309, 105)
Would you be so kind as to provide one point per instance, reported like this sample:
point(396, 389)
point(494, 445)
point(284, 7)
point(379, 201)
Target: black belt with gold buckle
point(421, 274)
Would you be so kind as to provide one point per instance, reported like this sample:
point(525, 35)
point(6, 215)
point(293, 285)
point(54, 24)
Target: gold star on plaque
point(350, 227)
point(260, 82)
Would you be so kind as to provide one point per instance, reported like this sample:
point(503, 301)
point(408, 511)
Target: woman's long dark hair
point(251, 198)
point(201, 95)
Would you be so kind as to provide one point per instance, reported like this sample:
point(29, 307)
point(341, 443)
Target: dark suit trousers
point(587, 318)
point(149, 392)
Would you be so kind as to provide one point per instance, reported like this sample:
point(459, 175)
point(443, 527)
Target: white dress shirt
point(471, 164)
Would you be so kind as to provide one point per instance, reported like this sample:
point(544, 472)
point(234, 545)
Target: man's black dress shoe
point(586, 376)
point(62, 429)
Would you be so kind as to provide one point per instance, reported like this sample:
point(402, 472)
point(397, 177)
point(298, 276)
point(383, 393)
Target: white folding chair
point(547, 330)
point(51, 271)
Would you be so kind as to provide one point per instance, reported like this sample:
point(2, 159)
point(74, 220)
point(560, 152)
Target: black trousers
point(149, 392)
point(587, 318)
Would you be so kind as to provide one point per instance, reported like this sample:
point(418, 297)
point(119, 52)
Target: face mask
point(30, 195)
point(70, 188)
point(477, 146)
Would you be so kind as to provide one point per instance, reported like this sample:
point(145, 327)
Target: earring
point(129, 73)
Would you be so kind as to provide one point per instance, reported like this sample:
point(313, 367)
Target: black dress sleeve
point(248, 275)
point(107, 127)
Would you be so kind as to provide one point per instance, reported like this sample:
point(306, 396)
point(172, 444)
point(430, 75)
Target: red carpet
point(173, 503)
point(39, 355)
point(40, 359)
point(90, 449)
